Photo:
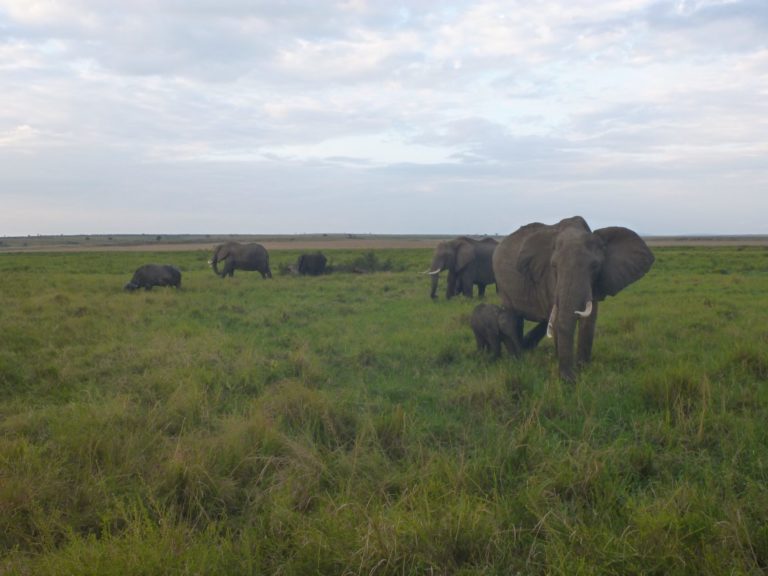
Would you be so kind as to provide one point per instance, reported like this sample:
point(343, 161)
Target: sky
point(363, 116)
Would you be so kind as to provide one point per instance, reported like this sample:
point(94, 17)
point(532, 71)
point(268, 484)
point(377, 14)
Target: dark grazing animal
point(557, 274)
point(312, 264)
point(150, 275)
point(492, 326)
point(238, 256)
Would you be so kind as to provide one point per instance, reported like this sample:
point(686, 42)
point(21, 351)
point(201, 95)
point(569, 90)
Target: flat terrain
point(346, 424)
point(184, 242)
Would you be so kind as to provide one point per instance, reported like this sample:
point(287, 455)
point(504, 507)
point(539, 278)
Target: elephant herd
point(553, 275)
point(234, 256)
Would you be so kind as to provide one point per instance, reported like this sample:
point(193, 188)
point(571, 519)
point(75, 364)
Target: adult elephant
point(556, 274)
point(468, 262)
point(238, 256)
point(311, 264)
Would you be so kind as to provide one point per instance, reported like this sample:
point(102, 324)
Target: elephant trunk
point(214, 262)
point(434, 279)
point(567, 311)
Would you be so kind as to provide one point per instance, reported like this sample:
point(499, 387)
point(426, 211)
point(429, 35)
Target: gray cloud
point(359, 116)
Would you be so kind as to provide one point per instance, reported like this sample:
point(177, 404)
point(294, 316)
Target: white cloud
point(19, 137)
point(531, 106)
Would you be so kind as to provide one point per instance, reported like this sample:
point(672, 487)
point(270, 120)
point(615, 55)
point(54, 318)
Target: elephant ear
point(627, 259)
point(533, 260)
point(464, 255)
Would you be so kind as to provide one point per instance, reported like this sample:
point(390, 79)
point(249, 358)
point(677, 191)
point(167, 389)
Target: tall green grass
point(345, 424)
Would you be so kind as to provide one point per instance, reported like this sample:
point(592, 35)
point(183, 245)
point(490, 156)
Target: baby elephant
point(492, 326)
point(154, 275)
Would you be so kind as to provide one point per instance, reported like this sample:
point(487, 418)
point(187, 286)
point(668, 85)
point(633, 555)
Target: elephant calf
point(154, 275)
point(492, 326)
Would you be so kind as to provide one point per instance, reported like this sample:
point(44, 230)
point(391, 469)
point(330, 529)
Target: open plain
point(345, 424)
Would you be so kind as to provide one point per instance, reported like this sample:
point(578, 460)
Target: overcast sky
point(301, 116)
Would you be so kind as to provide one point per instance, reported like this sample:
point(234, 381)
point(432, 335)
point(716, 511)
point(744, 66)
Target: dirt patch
point(308, 242)
point(313, 245)
point(713, 241)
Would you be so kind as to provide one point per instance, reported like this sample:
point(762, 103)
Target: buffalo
point(150, 275)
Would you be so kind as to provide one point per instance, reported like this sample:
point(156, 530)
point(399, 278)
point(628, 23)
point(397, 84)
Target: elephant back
point(515, 289)
point(484, 250)
point(252, 257)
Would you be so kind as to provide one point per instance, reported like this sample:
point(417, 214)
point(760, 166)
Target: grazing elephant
point(556, 274)
point(312, 264)
point(492, 326)
point(154, 275)
point(467, 261)
point(238, 256)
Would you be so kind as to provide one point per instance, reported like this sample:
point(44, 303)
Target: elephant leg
point(452, 281)
point(512, 333)
point(481, 290)
point(496, 346)
point(586, 336)
point(480, 341)
point(534, 336)
point(466, 285)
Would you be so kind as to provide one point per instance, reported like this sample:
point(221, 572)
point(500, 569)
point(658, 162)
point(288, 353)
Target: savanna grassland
point(345, 424)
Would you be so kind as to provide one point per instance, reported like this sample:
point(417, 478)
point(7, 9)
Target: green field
point(345, 424)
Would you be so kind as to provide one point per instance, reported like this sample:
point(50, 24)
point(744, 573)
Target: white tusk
point(586, 312)
point(433, 272)
point(551, 323)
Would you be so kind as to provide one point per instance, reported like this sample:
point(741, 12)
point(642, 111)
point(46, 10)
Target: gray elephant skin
point(468, 263)
point(237, 256)
point(556, 275)
point(150, 275)
point(311, 264)
point(492, 326)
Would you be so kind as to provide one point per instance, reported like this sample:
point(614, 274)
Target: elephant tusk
point(433, 272)
point(551, 322)
point(586, 312)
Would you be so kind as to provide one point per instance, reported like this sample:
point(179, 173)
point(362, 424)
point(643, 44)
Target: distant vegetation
point(134, 240)
point(344, 424)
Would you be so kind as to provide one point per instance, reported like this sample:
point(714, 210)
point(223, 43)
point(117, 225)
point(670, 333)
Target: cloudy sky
point(368, 116)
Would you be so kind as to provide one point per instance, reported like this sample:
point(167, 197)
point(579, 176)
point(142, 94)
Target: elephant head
point(222, 252)
point(467, 262)
point(559, 273)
